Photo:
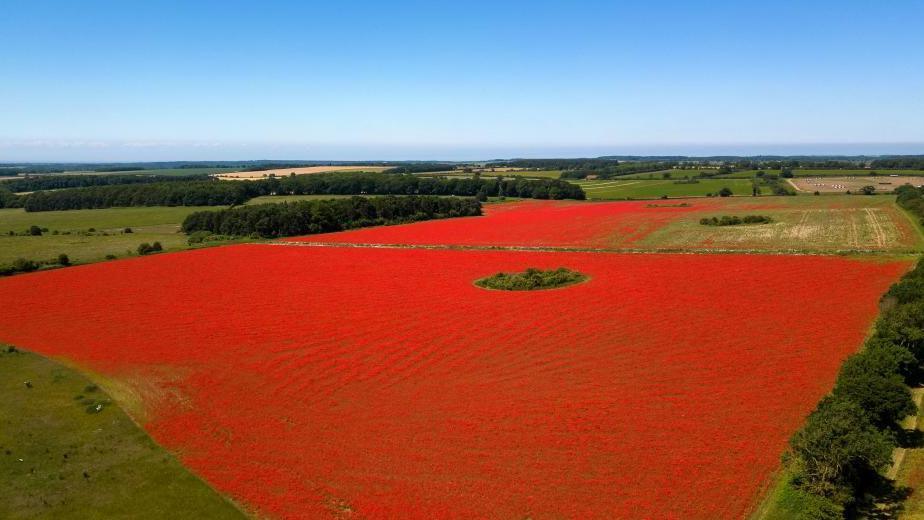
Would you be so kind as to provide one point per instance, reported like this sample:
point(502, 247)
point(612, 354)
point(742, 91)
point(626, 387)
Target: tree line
point(899, 163)
point(421, 168)
point(912, 199)
point(57, 182)
point(226, 193)
point(838, 454)
point(189, 193)
point(386, 184)
point(323, 216)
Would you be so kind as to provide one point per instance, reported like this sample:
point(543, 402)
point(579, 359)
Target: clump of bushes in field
point(531, 279)
point(322, 216)
point(146, 248)
point(204, 237)
point(33, 231)
point(22, 265)
point(734, 220)
point(837, 456)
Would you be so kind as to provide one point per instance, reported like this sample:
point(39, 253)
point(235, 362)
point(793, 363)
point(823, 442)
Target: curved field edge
point(68, 450)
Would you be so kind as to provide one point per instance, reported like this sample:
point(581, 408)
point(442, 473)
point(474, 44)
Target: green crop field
point(67, 451)
point(654, 189)
point(148, 224)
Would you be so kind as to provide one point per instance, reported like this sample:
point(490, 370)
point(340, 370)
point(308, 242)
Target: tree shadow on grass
point(883, 500)
point(909, 438)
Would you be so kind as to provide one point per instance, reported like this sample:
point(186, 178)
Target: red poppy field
point(381, 383)
point(530, 224)
point(804, 224)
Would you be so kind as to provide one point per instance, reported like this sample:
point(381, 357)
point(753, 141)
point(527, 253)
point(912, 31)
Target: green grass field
point(148, 224)
point(275, 199)
point(654, 189)
point(68, 451)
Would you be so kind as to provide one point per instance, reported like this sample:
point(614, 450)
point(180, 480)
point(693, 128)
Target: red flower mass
point(531, 224)
point(307, 381)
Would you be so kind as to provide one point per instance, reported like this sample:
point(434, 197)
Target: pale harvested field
point(882, 183)
point(827, 223)
point(285, 172)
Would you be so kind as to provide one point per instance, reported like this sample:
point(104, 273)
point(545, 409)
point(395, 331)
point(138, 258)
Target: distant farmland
point(882, 183)
point(304, 170)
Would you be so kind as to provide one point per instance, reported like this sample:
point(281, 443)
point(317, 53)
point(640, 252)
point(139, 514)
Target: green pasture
point(68, 451)
point(655, 189)
point(148, 224)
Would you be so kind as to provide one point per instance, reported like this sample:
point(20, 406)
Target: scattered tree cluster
point(838, 454)
point(734, 220)
point(22, 265)
point(532, 279)
point(146, 249)
point(321, 216)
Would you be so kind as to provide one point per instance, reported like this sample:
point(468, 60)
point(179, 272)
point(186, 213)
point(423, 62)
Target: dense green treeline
point(322, 216)
point(227, 193)
point(912, 199)
point(422, 167)
point(837, 456)
point(189, 193)
point(389, 184)
point(57, 182)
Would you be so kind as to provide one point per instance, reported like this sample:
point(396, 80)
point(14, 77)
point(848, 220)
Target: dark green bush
point(532, 279)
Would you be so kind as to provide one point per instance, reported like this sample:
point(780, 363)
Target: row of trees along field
point(57, 182)
point(838, 454)
point(225, 193)
point(322, 216)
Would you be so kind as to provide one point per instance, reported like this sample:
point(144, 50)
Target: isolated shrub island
point(727, 220)
point(532, 279)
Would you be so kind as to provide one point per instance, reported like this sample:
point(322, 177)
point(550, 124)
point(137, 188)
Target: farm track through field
point(613, 250)
point(877, 226)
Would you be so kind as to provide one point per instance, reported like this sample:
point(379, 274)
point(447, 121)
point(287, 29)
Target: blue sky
point(156, 80)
